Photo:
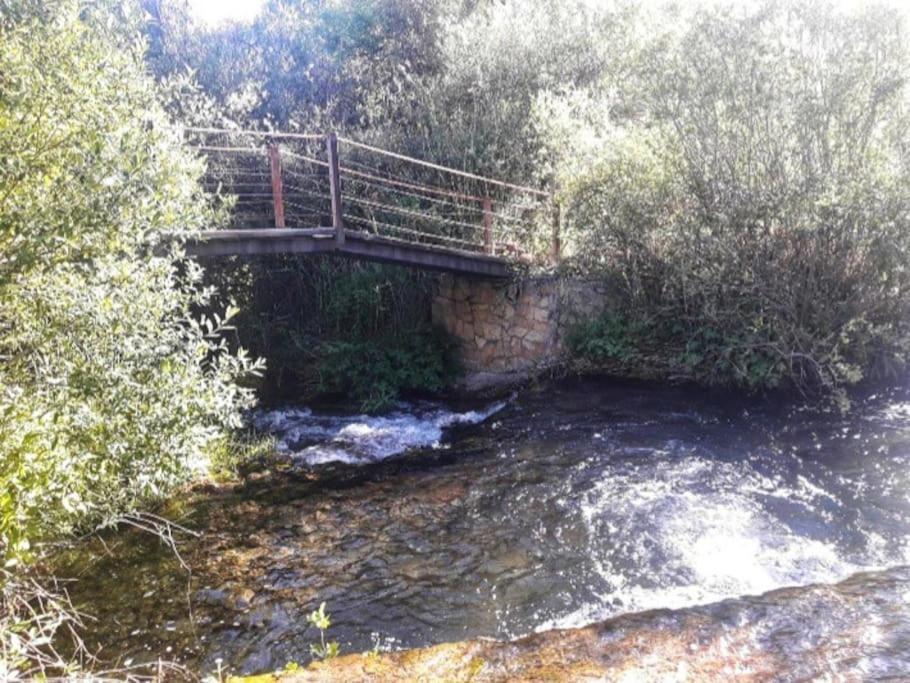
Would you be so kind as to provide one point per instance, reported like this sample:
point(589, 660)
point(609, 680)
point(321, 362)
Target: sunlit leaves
point(112, 389)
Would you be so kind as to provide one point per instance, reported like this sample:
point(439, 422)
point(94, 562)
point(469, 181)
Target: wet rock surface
point(568, 507)
point(860, 631)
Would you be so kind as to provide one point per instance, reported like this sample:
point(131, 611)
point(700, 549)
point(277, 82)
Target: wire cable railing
point(301, 180)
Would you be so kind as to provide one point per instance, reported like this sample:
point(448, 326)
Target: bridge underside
point(251, 242)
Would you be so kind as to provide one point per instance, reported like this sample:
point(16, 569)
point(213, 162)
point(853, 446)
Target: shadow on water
point(562, 508)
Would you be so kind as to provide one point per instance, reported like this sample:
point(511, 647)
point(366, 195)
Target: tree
point(112, 391)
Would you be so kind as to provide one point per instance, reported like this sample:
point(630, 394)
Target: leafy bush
point(606, 337)
point(303, 314)
point(753, 206)
point(377, 371)
point(111, 391)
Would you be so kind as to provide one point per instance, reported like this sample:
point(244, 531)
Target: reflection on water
point(560, 508)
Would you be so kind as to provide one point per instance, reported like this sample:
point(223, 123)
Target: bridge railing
point(323, 181)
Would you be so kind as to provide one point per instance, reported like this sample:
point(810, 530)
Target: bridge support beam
point(277, 187)
point(331, 144)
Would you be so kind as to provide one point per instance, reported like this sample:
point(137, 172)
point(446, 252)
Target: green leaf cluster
point(377, 371)
point(112, 388)
point(321, 621)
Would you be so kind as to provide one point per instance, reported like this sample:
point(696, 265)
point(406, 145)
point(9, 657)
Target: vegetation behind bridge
point(349, 330)
point(738, 175)
point(747, 191)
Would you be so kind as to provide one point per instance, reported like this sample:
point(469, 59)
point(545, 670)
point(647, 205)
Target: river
point(563, 506)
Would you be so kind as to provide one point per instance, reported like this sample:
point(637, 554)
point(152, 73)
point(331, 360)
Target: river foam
point(674, 532)
point(315, 439)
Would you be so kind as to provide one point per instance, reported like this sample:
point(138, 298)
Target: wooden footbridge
point(291, 193)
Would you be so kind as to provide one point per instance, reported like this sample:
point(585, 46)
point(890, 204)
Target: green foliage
point(312, 64)
point(237, 451)
point(339, 326)
point(320, 620)
point(111, 391)
point(658, 348)
point(606, 337)
point(747, 193)
point(376, 372)
point(475, 110)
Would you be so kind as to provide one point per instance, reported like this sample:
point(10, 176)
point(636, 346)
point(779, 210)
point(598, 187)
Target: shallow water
point(319, 439)
point(558, 508)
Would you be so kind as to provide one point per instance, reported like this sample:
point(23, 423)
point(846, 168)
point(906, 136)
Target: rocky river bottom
point(669, 534)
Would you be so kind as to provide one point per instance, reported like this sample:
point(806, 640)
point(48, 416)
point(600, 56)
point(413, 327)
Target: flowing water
point(557, 508)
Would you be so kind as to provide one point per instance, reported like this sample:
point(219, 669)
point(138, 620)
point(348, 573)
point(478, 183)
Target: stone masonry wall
point(513, 329)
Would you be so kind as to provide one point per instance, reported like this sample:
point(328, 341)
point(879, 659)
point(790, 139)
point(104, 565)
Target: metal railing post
point(488, 225)
point(554, 238)
point(277, 190)
point(331, 143)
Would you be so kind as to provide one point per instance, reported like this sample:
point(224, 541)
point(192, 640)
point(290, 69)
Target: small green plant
point(320, 620)
point(237, 452)
point(373, 652)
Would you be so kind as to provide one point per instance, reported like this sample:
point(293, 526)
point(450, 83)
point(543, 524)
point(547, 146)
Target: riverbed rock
point(243, 599)
point(746, 639)
point(442, 494)
point(211, 596)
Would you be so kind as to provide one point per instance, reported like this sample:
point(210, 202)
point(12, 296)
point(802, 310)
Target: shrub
point(305, 314)
point(378, 371)
point(111, 391)
point(607, 337)
point(754, 209)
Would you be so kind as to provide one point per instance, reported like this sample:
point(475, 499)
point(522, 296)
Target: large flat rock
point(852, 631)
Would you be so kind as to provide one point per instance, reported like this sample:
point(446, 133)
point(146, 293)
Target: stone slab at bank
point(509, 331)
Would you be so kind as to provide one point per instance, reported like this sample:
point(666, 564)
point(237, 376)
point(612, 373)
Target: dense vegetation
point(739, 176)
point(345, 329)
point(753, 206)
point(112, 392)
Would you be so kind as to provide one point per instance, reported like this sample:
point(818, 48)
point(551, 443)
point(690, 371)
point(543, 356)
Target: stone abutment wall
point(508, 331)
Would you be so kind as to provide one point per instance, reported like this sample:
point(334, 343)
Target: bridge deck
point(356, 244)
